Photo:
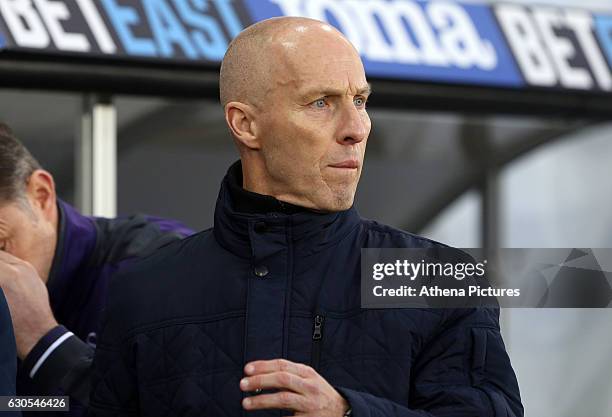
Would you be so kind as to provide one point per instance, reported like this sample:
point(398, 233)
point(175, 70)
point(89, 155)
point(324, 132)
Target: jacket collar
point(76, 240)
point(308, 231)
point(245, 201)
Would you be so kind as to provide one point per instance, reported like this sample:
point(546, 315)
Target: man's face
point(313, 122)
point(26, 234)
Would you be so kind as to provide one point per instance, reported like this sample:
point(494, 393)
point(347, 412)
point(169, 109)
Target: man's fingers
point(278, 365)
point(8, 270)
point(274, 365)
point(283, 400)
point(281, 380)
point(301, 388)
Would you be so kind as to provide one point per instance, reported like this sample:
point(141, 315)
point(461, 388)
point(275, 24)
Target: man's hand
point(28, 302)
point(301, 389)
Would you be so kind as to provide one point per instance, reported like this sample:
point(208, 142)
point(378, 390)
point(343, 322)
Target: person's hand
point(28, 302)
point(300, 389)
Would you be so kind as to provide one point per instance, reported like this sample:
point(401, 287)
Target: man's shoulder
point(170, 267)
point(171, 254)
point(140, 288)
point(133, 236)
point(382, 235)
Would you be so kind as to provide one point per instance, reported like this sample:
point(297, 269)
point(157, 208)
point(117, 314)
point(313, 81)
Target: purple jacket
point(89, 252)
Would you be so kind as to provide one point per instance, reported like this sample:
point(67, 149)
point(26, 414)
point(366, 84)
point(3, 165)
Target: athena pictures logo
point(447, 277)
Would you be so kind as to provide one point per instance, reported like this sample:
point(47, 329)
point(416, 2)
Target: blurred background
point(466, 179)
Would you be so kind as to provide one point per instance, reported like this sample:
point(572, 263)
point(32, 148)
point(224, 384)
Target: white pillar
point(96, 168)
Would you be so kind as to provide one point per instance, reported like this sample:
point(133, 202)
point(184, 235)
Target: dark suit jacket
point(8, 354)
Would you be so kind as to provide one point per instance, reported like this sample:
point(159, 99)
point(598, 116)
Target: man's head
point(28, 211)
point(294, 92)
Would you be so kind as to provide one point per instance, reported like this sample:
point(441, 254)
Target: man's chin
point(341, 202)
point(335, 196)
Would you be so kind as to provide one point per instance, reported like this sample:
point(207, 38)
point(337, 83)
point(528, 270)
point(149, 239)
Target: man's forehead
point(347, 75)
point(324, 73)
point(314, 45)
point(312, 59)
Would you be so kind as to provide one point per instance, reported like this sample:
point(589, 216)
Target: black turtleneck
point(249, 202)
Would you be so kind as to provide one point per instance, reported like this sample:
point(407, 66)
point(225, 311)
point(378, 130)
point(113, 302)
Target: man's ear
point(41, 192)
point(241, 121)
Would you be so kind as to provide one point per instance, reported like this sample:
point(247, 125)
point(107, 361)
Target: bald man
point(261, 315)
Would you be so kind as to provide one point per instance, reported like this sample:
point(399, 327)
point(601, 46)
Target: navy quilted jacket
point(182, 323)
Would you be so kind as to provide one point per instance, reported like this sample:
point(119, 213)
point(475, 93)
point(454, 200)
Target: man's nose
point(354, 126)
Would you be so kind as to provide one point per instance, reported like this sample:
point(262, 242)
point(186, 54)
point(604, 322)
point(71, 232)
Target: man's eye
point(320, 103)
point(359, 101)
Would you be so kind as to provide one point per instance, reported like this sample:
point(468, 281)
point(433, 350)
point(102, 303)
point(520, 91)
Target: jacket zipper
point(317, 339)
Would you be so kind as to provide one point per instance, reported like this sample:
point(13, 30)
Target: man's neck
point(57, 225)
point(246, 201)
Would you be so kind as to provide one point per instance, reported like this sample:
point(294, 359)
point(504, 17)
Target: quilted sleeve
point(464, 371)
point(60, 360)
point(114, 389)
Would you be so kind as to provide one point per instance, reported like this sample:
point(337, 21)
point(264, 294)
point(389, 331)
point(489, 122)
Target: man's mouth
point(348, 164)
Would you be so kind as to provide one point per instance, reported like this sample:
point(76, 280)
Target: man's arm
point(60, 360)
point(114, 389)
point(463, 371)
point(53, 358)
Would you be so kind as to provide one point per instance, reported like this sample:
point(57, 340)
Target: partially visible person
point(54, 271)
